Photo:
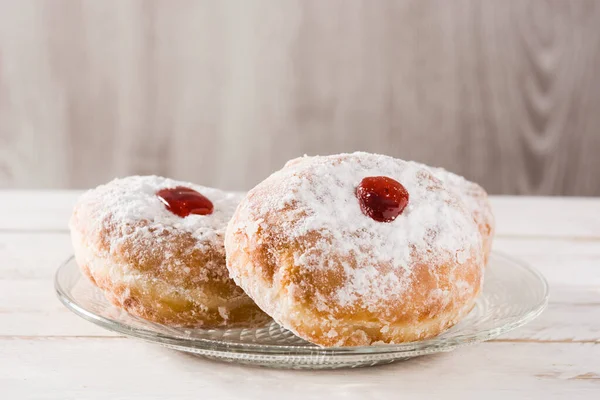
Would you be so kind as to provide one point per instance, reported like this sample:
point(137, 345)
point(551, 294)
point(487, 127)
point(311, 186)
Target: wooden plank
point(37, 255)
point(28, 262)
point(25, 255)
point(563, 262)
point(36, 210)
point(99, 369)
point(573, 315)
point(30, 308)
point(577, 218)
point(560, 217)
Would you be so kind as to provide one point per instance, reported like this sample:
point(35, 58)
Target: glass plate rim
point(434, 344)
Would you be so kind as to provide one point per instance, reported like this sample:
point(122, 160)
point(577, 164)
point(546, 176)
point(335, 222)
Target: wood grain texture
point(516, 216)
point(100, 368)
point(566, 249)
point(48, 352)
point(223, 93)
point(29, 308)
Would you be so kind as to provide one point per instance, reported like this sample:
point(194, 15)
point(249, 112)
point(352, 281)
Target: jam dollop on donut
point(381, 198)
point(183, 201)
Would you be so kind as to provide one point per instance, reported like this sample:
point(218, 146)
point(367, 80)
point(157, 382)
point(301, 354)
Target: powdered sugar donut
point(476, 200)
point(307, 248)
point(155, 248)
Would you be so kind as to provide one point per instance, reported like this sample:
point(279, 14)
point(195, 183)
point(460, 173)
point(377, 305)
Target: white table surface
point(46, 352)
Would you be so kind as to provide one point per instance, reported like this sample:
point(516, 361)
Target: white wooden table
point(48, 352)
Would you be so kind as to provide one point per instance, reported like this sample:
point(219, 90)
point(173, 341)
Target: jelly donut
point(356, 249)
point(477, 202)
point(154, 246)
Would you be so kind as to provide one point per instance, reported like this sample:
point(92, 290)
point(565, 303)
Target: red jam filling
point(381, 198)
point(184, 201)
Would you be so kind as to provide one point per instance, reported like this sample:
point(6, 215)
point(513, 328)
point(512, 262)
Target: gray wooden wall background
point(224, 92)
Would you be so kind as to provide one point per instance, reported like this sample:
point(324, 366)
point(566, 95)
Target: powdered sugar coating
point(133, 199)
point(475, 199)
point(307, 218)
point(433, 219)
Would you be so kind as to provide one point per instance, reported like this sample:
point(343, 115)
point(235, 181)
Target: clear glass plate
point(513, 294)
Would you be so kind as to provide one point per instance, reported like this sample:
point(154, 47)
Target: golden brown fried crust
point(263, 264)
point(162, 276)
point(484, 217)
point(414, 316)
